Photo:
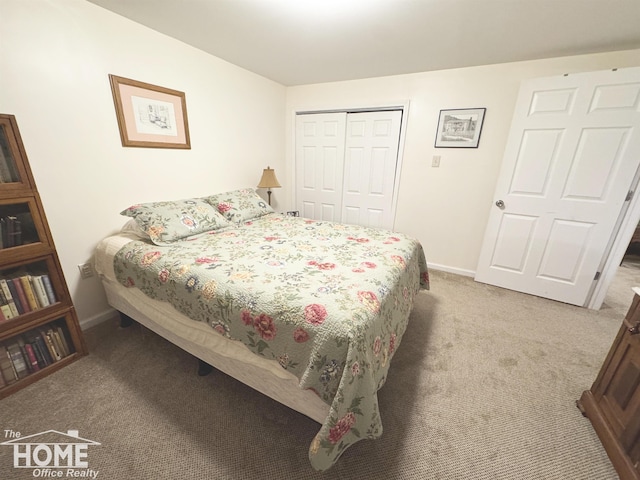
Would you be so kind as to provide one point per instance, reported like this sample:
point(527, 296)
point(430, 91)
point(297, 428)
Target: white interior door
point(370, 167)
point(320, 144)
point(571, 156)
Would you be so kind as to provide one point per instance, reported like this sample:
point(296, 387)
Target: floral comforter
point(330, 302)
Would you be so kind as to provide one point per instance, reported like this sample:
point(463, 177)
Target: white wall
point(446, 208)
point(55, 58)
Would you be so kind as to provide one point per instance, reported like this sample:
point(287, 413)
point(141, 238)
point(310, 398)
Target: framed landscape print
point(149, 115)
point(459, 128)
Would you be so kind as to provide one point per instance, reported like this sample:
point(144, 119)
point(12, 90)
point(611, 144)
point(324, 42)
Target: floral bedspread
point(330, 302)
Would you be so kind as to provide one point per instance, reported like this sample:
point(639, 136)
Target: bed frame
point(213, 350)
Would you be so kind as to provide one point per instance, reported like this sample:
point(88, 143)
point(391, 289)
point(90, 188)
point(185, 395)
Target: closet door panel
point(320, 165)
point(370, 166)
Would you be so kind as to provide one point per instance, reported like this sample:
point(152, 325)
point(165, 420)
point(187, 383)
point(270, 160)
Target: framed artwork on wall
point(149, 115)
point(459, 128)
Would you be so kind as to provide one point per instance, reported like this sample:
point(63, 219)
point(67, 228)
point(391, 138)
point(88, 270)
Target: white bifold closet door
point(346, 166)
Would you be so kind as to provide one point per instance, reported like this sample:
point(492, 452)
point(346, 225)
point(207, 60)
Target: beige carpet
point(483, 386)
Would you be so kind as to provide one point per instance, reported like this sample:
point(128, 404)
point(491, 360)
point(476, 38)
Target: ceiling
point(296, 42)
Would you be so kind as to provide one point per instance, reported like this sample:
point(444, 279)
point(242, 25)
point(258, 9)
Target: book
point(31, 356)
point(65, 343)
point(5, 289)
point(7, 293)
point(46, 336)
point(10, 235)
point(5, 309)
point(15, 231)
point(57, 341)
point(39, 356)
point(21, 345)
point(27, 228)
point(28, 292)
point(18, 360)
point(17, 292)
point(11, 227)
point(4, 231)
point(6, 368)
point(38, 289)
point(36, 339)
point(49, 289)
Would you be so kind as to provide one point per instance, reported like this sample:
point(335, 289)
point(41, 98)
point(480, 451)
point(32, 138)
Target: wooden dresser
point(613, 402)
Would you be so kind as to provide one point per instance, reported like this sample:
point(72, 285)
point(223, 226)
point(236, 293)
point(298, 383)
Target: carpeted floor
point(483, 386)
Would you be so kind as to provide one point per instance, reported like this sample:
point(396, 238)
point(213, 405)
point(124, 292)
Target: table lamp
point(269, 181)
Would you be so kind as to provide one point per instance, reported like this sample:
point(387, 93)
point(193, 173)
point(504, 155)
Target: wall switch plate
point(436, 161)
point(86, 270)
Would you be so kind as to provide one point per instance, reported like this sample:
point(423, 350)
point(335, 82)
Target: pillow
point(167, 222)
point(240, 205)
point(133, 228)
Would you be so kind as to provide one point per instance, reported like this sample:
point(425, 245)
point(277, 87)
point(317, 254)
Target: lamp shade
point(269, 179)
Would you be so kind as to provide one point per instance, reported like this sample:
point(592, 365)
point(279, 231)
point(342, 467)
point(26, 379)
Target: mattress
point(230, 356)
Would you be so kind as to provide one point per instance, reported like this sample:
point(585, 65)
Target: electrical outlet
point(86, 270)
point(436, 161)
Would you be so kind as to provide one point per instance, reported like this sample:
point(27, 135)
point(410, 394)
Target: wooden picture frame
point(460, 128)
point(149, 115)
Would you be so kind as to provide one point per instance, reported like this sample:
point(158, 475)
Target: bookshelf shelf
point(39, 330)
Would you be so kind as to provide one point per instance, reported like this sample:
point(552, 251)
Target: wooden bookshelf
point(613, 402)
point(39, 330)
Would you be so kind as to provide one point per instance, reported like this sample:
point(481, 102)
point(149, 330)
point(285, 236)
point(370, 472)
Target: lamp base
point(269, 196)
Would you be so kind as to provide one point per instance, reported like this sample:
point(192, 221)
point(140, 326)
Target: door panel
point(572, 153)
point(371, 158)
point(537, 156)
point(564, 251)
point(596, 163)
point(320, 162)
point(518, 231)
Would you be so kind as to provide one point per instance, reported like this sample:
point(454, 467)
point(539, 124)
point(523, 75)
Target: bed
point(307, 312)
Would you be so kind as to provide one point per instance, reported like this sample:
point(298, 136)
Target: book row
point(10, 231)
point(34, 350)
point(23, 294)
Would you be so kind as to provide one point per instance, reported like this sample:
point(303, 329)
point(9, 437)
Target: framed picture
point(150, 116)
point(460, 128)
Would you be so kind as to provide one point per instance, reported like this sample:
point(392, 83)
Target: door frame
point(402, 106)
point(620, 241)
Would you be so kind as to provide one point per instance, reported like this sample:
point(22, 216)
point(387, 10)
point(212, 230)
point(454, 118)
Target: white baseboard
point(97, 319)
point(456, 270)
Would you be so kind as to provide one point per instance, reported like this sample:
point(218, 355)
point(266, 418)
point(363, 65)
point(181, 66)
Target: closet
point(346, 166)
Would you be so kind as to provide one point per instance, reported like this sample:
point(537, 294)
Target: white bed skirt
point(199, 339)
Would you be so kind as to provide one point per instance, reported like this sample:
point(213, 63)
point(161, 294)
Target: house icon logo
point(49, 450)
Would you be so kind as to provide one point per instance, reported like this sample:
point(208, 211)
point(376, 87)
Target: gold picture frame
point(149, 115)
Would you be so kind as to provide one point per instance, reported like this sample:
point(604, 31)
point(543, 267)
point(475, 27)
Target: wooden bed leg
point(125, 320)
point(204, 368)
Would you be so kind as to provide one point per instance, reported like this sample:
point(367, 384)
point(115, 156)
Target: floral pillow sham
point(240, 205)
point(170, 221)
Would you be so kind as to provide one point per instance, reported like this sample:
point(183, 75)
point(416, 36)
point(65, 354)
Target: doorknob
point(500, 204)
